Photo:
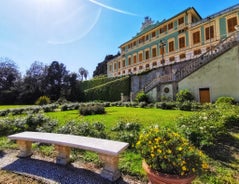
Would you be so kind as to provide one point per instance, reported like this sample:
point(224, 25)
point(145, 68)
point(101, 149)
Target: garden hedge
point(110, 91)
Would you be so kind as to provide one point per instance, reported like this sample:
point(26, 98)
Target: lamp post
point(162, 45)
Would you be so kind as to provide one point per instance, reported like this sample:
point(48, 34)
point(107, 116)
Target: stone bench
point(107, 150)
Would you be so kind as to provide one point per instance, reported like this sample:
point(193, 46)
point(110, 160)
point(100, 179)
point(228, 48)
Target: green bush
point(83, 129)
point(110, 91)
point(43, 100)
point(203, 129)
point(166, 105)
point(127, 132)
point(29, 123)
point(4, 112)
point(184, 95)
point(91, 109)
point(185, 106)
point(225, 100)
point(141, 97)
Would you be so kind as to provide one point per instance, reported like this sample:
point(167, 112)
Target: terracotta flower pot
point(160, 178)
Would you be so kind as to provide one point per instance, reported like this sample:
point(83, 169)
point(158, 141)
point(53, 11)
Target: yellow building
point(184, 36)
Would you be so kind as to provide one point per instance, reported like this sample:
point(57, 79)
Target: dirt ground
point(12, 178)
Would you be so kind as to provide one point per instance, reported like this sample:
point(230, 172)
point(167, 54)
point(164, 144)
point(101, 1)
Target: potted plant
point(168, 157)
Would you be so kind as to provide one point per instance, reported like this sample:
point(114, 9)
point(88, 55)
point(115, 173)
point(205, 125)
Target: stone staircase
point(186, 68)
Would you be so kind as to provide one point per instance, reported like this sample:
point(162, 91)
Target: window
point(129, 61)
point(181, 42)
point(170, 26)
point(147, 54)
point(119, 65)
point(129, 70)
point(171, 46)
point(140, 57)
point(162, 29)
point(231, 23)
point(134, 44)
point(123, 63)
point(147, 66)
point(153, 34)
point(147, 37)
point(209, 32)
point(196, 37)
point(135, 69)
point(123, 71)
point(172, 59)
point(155, 63)
point(180, 20)
point(135, 59)
point(115, 66)
point(154, 52)
point(182, 56)
point(197, 52)
point(140, 67)
point(110, 68)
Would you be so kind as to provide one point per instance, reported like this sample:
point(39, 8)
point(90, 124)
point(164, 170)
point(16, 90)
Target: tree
point(33, 83)
point(10, 79)
point(101, 68)
point(83, 73)
point(9, 73)
point(56, 80)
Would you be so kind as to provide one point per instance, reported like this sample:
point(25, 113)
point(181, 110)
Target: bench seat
point(107, 150)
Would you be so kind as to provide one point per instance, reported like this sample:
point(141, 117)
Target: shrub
point(166, 151)
point(184, 95)
point(43, 100)
point(231, 121)
point(166, 105)
point(203, 129)
point(4, 112)
point(91, 109)
point(127, 132)
point(225, 100)
point(141, 97)
point(185, 106)
point(83, 129)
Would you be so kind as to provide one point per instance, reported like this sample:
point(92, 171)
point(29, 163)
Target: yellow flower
point(169, 151)
point(180, 149)
point(184, 168)
point(152, 155)
point(205, 166)
point(159, 151)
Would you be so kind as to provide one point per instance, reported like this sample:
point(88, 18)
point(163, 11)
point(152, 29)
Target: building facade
point(183, 37)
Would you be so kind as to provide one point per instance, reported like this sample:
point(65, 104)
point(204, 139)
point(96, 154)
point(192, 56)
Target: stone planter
point(160, 178)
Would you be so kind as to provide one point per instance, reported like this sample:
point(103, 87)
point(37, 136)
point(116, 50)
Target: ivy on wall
point(110, 91)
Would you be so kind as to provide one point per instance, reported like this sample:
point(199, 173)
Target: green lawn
point(130, 162)
point(113, 115)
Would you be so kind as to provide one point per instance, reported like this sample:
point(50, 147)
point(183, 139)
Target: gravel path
point(45, 170)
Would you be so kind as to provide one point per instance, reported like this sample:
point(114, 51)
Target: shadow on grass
point(51, 172)
point(224, 150)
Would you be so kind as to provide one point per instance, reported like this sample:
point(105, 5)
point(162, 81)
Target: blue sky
point(80, 33)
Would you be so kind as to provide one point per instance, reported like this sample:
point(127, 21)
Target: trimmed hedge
point(97, 81)
point(110, 91)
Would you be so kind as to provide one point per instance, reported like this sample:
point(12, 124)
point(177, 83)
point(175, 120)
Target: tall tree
point(101, 68)
point(33, 83)
point(83, 73)
point(56, 79)
point(10, 77)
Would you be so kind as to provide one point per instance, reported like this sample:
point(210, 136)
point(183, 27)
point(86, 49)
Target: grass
point(113, 115)
point(221, 170)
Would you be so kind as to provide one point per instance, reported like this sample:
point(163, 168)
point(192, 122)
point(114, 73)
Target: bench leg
point(63, 154)
point(25, 148)
point(110, 169)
